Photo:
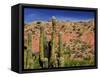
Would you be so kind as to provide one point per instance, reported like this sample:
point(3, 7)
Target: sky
point(36, 14)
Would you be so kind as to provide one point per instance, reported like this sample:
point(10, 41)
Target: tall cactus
point(60, 45)
point(53, 61)
point(41, 54)
point(60, 53)
point(29, 51)
point(43, 60)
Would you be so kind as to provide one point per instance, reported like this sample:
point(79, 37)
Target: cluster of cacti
point(53, 60)
point(53, 50)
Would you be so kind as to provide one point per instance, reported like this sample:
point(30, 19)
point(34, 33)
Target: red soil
point(65, 37)
point(88, 38)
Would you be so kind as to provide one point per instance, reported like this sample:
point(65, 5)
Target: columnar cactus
point(29, 51)
point(53, 55)
point(60, 53)
point(41, 54)
point(30, 39)
point(42, 59)
point(60, 44)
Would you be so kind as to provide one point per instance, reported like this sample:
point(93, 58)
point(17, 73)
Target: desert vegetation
point(51, 44)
